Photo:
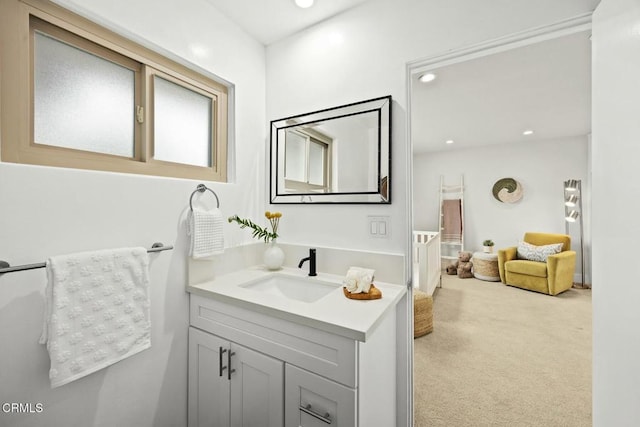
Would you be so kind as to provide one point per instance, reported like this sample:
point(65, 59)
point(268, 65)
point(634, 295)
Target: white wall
point(616, 185)
point(47, 211)
point(362, 54)
point(541, 168)
point(354, 145)
point(359, 55)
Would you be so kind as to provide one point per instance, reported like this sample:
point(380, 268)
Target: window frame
point(17, 30)
point(199, 89)
point(312, 137)
point(73, 40)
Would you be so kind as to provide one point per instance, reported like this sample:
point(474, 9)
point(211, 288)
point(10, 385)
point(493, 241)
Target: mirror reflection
point(338, 155)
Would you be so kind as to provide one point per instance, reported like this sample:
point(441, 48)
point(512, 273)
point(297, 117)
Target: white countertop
point(334, 313)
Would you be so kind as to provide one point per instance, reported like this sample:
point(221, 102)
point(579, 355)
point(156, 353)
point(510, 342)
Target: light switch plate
point(379, 226)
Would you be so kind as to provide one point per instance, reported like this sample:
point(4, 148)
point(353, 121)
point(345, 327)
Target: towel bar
point(201, 188)
point(6, 268)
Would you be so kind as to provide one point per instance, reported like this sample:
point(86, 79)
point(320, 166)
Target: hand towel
point(452, 220)
point(96, 310)
point(358, 280)
point(206, 231)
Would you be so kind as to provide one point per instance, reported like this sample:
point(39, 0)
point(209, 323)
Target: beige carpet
point(503, 356)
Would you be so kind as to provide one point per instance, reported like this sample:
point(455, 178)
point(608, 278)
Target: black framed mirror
point(337, 155)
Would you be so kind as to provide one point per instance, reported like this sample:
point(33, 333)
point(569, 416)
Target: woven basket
point(485, 267)
point(422, 313)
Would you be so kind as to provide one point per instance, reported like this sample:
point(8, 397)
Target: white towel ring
point(202, 188)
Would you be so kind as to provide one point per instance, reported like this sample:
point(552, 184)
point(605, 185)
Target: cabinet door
point(314, 401)
point(208, 390)
point(257, 389)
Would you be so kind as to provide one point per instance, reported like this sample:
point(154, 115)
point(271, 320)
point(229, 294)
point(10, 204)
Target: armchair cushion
point(537, 253)
point(540, 239)
point(530, 268)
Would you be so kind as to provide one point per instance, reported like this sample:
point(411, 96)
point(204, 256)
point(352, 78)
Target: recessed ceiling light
point(427, 77)
point(449, 141)
point(528, 132)
point(304, 3)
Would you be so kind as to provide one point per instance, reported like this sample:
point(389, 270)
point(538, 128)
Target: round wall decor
point(507, 190)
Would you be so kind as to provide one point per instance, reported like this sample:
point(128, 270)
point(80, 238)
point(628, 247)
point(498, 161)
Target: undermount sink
point(303, 289)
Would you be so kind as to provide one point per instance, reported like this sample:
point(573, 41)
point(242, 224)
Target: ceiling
point(271, 20)
point(545, 87)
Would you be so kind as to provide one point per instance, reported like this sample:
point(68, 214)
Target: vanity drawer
point(332, 356)
point(313, 401)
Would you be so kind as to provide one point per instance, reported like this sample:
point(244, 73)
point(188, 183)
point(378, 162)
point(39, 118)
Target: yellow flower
point(260, 232)
point(272, 215)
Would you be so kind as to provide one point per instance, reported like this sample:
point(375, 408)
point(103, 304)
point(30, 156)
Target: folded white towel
point(359, 280)
point(206, 231)
point(96, 310)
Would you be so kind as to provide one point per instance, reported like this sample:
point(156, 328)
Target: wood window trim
point(218, 150)
point(49, 30)
point(16, 96)
point(314, 137)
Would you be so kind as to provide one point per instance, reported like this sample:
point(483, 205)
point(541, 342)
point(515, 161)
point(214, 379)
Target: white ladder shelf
point(451, 245)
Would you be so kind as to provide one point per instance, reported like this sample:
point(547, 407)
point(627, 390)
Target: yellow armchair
point(550, 277)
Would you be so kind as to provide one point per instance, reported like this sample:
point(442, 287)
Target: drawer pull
point(230, 371)
point(221, 368)
point(309, 410)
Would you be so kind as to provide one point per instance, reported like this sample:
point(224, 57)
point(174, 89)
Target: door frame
point(419, 66)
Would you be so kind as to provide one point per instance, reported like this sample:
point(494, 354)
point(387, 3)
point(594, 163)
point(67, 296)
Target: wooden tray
point(374, 293)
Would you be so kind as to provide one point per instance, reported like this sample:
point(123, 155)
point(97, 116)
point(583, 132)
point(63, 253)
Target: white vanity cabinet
point(231, 385)
point(297, 374)
point(311, 400)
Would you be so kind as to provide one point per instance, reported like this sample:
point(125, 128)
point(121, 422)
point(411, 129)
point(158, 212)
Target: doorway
point(461, 104)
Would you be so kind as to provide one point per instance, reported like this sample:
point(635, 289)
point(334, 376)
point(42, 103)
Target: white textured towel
point(96, 310)
point(358, 280)
point(205, 229)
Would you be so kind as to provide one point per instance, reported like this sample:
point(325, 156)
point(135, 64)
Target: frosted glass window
point(87, 98)
point(82, 101)
point(182, 124)
point(295, 157)
point(316, 163)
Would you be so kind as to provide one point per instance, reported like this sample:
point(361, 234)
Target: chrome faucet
point(312, 262)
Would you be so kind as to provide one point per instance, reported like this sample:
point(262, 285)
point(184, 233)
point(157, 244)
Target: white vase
point(273, 256)
point(488, 249)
